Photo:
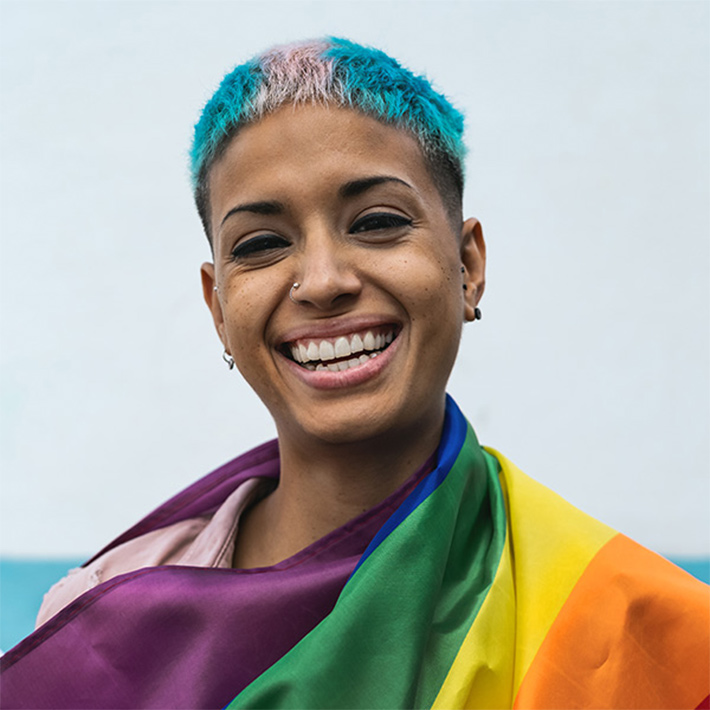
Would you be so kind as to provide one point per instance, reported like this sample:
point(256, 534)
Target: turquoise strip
point(23, 583)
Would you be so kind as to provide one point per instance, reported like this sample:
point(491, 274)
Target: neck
point(323, 486)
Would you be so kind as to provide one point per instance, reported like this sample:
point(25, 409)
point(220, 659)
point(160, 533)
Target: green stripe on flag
point(400, 620)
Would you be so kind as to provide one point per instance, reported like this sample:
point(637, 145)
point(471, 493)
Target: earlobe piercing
point(293, 288)
point(476, 313)
point(228, 359)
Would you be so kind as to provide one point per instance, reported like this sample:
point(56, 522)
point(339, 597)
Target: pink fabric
point(204, 541)
point(176, 636)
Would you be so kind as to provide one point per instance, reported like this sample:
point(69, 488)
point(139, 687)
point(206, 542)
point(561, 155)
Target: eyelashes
point(260, 245)
point(376, 221)
point(264, 246)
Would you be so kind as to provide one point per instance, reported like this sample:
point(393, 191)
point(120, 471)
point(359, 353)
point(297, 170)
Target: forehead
point(302, 150)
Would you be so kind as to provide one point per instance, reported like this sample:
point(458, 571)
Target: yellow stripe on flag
point(549, 544)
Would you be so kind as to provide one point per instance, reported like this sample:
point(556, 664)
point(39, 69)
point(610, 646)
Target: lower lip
point(327, 380)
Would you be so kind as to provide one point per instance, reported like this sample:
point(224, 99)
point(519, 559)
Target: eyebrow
point(263, 207)
point(349, 189)
point(357, 187)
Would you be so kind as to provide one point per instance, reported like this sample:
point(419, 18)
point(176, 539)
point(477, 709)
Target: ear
point(212, 300)
point(473, 258)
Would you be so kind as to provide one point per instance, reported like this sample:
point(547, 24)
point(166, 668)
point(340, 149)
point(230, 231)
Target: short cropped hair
point(338, 72)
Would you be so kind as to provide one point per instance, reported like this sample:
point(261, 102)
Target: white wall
point(588, 128)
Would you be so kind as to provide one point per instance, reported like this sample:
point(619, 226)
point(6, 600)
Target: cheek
point(441, 312)
point(433, 289)
point(247, 311)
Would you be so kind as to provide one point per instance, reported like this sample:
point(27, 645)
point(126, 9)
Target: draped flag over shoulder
point(470, 587)
point(479, 595)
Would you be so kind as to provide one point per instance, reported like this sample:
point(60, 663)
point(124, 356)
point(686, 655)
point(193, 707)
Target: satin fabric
point(472, 586)
point(187, 637)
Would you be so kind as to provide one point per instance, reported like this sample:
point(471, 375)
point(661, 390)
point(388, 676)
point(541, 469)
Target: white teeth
point(356, 344)
point(342, 365)
point(342, 347)
point(326, 350)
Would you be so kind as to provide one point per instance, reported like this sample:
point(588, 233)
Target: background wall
point(588, 128)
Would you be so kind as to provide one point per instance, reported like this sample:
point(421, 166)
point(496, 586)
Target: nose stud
point(293, 288)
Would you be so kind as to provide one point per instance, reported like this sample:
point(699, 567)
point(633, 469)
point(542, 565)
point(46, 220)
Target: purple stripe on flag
point(173, 637)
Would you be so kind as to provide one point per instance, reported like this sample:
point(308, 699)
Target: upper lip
point(335, 328)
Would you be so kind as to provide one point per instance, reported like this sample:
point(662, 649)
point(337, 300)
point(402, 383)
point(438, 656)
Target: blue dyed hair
point(336, 72)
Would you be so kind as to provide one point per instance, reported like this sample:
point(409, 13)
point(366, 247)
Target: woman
point(376, 555)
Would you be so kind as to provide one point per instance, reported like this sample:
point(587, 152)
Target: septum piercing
point(293, 288)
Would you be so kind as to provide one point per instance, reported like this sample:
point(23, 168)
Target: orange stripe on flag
point(632, 634)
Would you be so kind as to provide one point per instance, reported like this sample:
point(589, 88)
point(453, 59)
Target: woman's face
point(344, 206)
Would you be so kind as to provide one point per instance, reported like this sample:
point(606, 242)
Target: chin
point(344, 423)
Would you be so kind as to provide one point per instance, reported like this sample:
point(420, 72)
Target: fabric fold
point(472, 586)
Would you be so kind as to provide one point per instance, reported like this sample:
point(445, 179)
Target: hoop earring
point(293, 288)
point(228, 359)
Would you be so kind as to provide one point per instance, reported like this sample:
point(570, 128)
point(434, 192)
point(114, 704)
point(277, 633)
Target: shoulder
point(633, 632)
point(602, 616)
point(160, 547)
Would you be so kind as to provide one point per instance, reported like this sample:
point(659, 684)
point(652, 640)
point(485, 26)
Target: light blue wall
point(588, 168)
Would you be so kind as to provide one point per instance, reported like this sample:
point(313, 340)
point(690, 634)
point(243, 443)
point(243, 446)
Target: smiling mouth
point(340, 353)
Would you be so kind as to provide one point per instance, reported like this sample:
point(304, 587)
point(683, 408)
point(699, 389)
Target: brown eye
point(379, 221)
point(259, 245)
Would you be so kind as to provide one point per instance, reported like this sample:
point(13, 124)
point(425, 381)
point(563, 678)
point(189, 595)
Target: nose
point(327, 276)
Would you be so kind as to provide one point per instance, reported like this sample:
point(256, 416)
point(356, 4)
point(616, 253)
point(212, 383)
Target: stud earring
point(463, 271)
point(476, 313)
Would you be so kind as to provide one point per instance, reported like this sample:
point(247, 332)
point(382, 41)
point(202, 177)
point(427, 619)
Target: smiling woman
point(374, 555)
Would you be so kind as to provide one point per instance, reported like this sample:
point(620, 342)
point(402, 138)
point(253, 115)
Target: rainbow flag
point(470, 587)
point(493, 592)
